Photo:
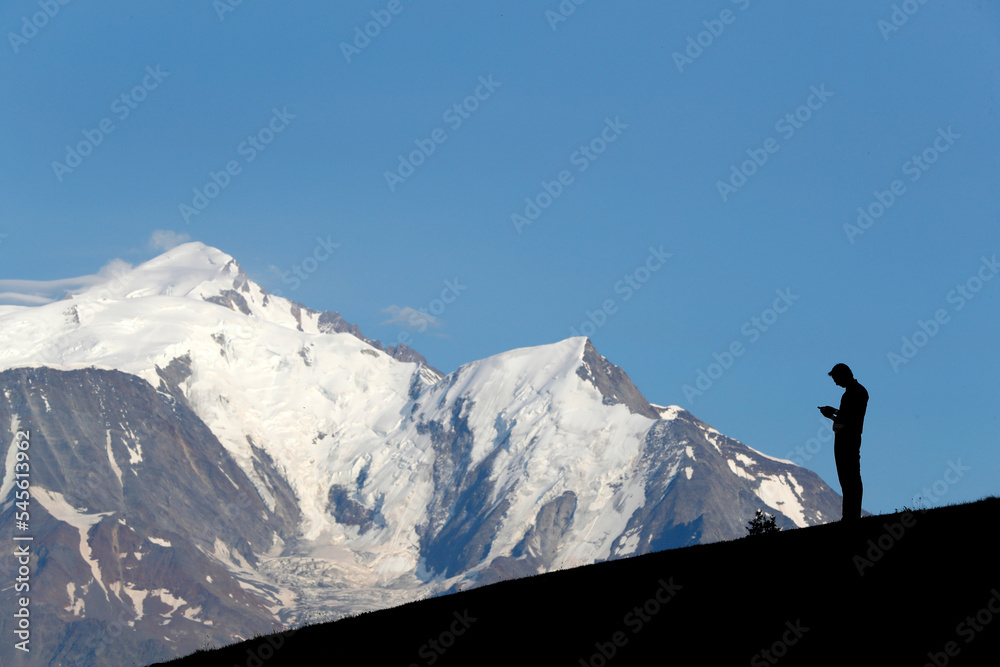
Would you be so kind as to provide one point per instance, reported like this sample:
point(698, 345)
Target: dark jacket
point(853, 405)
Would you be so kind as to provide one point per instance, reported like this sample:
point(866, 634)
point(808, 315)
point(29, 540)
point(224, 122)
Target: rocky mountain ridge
point(216, 461)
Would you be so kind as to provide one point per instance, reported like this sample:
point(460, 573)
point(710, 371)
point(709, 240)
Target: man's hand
point(828, 411)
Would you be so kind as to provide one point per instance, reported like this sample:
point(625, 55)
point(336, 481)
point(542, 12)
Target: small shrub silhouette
point(762, 524)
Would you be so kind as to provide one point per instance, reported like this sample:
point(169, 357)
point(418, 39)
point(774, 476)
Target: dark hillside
point(912, 588)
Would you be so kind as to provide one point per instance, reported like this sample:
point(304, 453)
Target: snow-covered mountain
point(209, 461)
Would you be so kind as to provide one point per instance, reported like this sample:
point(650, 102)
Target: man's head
point(841, 375)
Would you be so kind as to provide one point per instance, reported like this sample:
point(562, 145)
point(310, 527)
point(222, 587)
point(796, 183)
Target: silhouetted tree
point(761, 524)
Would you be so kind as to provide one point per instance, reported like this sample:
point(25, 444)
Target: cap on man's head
point(841, 370)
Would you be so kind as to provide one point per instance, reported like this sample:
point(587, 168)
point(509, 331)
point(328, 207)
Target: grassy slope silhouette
point(913, 588)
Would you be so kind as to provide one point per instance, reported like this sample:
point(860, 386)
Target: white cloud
point(15, 299)
point(39, 292)
point(165, 239)
point(410, 318)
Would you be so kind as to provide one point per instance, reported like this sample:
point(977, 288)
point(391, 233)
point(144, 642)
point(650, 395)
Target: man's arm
point(834, 414)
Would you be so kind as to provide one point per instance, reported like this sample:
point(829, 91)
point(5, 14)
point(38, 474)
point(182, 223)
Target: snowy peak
point(535, 454)
point(540, 369)
point(551, 369)
point(569, 377)
point(190, 269)
point(197, 272)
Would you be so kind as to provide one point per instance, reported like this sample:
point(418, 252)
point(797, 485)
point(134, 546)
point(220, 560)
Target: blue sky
point(697, 171)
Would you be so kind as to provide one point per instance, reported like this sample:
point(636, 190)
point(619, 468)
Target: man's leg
point(847, 451)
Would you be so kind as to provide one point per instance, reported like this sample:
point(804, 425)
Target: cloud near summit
point(40, 292)
point(166, 239)
point(410, 318)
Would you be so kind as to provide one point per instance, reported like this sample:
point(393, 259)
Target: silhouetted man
point(848, 422)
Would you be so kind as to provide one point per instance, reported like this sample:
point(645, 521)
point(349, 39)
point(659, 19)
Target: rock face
point(614, 385)
point(719, 485)
point(141, 521)
point(239, 462)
